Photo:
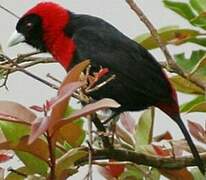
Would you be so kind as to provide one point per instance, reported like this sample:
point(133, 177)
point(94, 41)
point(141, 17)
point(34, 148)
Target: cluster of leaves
point(57, 135)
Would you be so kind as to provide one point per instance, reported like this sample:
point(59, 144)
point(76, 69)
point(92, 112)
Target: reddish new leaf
point(128, 122)
point(88, 109)
point(105, 173)
point(74, 73)
point(160, 151)
point(115, 169)
point(37, 108)
point(182, 174)
point(197, 131)
point(172, 174)
point(165, 136)
point(39, 126)
point(14, 112)
point(60, 105)
point(65, 91)
point(5, 157)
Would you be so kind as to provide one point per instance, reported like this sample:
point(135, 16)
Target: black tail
point(187, 136)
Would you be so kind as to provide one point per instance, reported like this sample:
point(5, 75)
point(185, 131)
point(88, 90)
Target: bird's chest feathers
point(61, 47)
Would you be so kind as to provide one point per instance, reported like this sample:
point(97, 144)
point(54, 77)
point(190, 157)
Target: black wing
point(134, 66)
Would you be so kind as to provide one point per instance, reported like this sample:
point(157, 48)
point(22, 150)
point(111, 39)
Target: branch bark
point(172, 66)
point(143, 159)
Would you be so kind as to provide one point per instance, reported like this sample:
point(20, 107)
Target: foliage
point(50, 140)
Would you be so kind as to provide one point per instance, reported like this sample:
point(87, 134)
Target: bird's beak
point(15, 39)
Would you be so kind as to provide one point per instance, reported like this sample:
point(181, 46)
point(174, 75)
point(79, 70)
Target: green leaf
point(35, 177)
point(197, 174)
point(34, 164)
point(199, 21)
point(187, 64)
point(185, 86)
point(169, 34)
point(196, 105)
point(14, 132)
point(183, 9)
point(198, 40)
point(198, 5)
point(67, 160)
point(154, 174)
point(144, 128)
point(132, 173)
point(195, 65)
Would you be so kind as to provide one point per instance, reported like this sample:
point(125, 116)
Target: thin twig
point(4, 84)
point(23, 56)
point(171, 63)
point(54, 78)
point(52, 158)
point(172, 66)
point(17, 67)
point(97, 87)
point(17, 172)
point(90, 142)
point(9, 11)
point(53, 86)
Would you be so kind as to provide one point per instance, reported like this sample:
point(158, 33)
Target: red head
point(43, 28)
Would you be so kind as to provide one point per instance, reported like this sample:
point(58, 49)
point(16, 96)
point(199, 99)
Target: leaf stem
point(52, 158)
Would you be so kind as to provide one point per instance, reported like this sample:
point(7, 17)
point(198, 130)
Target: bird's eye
point(29, 25)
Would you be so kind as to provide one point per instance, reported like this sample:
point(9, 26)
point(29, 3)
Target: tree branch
point(143, 159)
point(171, 66)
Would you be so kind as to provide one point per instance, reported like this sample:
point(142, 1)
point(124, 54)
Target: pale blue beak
point(15, 39)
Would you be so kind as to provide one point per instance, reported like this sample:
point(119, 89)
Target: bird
point(70, 38)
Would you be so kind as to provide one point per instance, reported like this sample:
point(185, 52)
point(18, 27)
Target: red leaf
point(115, 169)
point(14, 112)
point(39, 126)
point(128, 122)
point(159, 151)
point(59, 107)
point(101, 73)
point(105, 173)
point(93, 107)
point(165, 136)
point(172, 174)
point(37, 108)
point(177, 174)
point(67, 88)
point(197, 131)
point(5, 157)
point(74, 74)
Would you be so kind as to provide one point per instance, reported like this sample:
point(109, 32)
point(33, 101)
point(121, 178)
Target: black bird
point(70, 38)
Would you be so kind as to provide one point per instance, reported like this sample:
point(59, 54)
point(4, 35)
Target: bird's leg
point(113, 127)
point(111, 117)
